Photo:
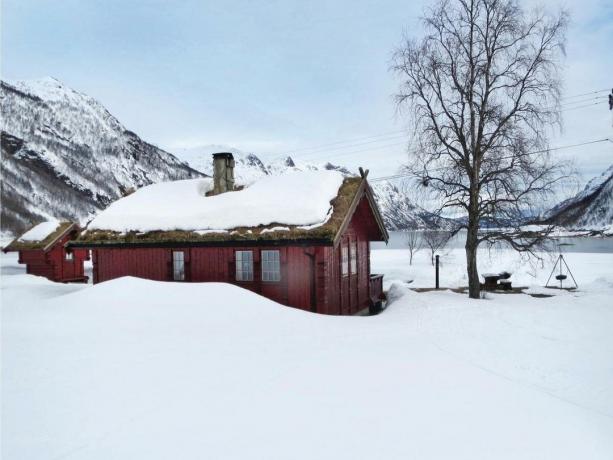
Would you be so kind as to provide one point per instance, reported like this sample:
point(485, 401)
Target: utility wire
point(562, 147)
point(389, 135)
point(581, 107)
point(586, 94)
point(386, 134)
point(326, 156)
point(584, 100)
point(342, 147)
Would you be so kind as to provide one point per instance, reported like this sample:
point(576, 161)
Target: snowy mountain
point(397, 210)
point(65, 156)
point(592, 208)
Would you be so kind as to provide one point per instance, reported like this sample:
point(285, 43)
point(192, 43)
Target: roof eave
point(194, 243)
point(16, 245)
point(364, 188)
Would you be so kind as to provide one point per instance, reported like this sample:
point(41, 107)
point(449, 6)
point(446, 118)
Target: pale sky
point(271, 77)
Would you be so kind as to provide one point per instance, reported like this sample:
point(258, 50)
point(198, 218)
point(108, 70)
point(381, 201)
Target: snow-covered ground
point(132, 369)
point(394, 264)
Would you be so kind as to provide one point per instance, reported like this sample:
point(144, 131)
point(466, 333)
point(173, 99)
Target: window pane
point(244, 265)
point(178, 266)
point(271, 266)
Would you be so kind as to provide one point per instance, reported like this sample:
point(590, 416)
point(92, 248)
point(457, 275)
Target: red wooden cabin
point(325, 269)
point(43, 250)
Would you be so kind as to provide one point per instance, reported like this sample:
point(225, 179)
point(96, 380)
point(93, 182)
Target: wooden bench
point(505, 285)
point(493, 281)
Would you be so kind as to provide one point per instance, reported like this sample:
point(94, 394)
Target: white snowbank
point(132, 369)
point(301, 198)
point(394, 263)
point(40, 231)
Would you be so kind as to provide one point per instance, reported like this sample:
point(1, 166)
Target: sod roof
point(46, 243)
point(342, 206)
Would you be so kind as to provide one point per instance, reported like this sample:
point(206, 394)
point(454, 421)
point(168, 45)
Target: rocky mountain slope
point(592, 208)
point(65, 156)
point(397, 210)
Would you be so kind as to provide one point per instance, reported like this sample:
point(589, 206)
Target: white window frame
point(244, 265)
point(69, 256)
point(353, 258)
point(271, 265)
point(344, 260)
point(178, 265)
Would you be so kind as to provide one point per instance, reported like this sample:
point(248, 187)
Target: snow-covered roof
point(41, 231)
point(303, 204)
point(291, 199)
point(41, 236)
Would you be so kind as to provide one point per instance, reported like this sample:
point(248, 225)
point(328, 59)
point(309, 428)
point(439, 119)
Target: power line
point(389, 135)
point(316, 147)
point(586, 94)
point(343, 147)
point(584, 100)
point(369, 149)
point(325, 156)
point(562, 147)
point(581, 106)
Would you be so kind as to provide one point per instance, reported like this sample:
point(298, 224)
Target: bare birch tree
point(435, 240)
point(482, 88)
point(414, 240)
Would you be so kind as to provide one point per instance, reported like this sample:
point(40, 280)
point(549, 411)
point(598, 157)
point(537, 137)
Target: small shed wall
point(52, 264)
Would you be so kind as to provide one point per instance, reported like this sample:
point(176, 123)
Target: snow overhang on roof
point(310, 207)
point(42, 236)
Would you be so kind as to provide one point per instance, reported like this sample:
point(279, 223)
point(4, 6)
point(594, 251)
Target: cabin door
point(68, 264)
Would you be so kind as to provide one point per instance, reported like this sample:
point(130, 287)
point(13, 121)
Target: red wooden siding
point(214, 264)
point(348, 295)
point(311, 277)
point(52, 264)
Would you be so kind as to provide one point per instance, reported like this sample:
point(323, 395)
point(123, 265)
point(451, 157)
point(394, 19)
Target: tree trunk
point(471, 259)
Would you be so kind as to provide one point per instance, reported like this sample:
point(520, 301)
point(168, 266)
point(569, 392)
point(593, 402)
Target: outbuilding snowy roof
point(293, 206)
point(41, 236)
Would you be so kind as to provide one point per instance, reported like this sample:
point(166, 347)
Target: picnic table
point(493, 281)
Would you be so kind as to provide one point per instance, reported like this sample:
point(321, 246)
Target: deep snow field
point(136, 369)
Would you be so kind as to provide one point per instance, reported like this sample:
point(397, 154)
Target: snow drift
point(139, 369)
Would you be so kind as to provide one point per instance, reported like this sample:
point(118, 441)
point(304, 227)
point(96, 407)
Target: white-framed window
point(344, 260)
point(353, 261)
point(69, 255)
point(178, 265)
point(244, 265)
point(271, 266)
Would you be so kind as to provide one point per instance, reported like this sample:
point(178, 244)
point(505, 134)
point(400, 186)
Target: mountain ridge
point(64, 155)
point(590, 209)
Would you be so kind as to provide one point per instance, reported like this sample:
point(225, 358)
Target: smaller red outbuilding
point(43, 250)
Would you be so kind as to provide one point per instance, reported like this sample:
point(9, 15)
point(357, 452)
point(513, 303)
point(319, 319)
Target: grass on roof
point(340, 204)
point(17, 245)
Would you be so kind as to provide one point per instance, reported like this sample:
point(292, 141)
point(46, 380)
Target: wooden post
point(437, 285)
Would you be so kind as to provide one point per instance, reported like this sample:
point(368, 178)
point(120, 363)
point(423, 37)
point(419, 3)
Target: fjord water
point(587, 244)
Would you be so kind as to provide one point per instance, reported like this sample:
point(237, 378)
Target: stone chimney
point(223, 173)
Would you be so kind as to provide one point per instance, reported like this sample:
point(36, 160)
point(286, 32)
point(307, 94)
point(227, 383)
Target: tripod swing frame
point(561, 277)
